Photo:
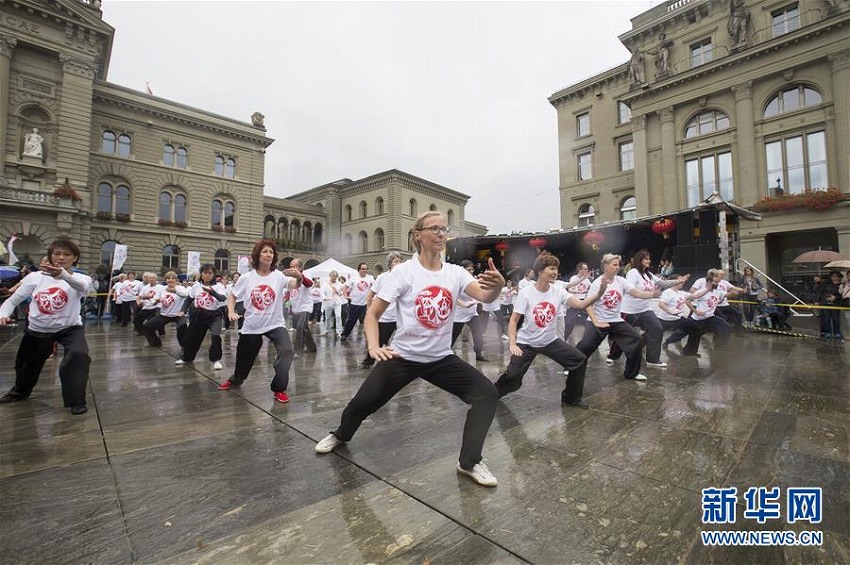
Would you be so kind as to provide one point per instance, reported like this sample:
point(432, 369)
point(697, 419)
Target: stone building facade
point(105, 164)
point(747, 99)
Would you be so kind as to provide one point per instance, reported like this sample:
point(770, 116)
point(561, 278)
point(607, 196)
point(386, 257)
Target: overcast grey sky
point(453, 92)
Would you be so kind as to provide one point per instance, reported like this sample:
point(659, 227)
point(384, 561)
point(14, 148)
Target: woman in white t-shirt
point(605, 320)
point(387, 323)
point(426, 290)
point(466, 314)
point(54, 317)
point(540, 303)
point(170, 301)
point(261, 290)
point(206, 312)
point(332, 300)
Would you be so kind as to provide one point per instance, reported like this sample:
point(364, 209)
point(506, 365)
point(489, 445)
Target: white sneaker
point(505, 338)
point(661, 365)
point(640, 377)
point(218, 366)
point(566, 372)
point(179, 362)
point(328, 444)
point(609, 361)
point(479, 473)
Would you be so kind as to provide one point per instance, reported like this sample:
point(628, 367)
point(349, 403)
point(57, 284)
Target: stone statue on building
point(738, 24)
point(637, 74)
point(33, 144)
point(257, 120)
point(662, 56)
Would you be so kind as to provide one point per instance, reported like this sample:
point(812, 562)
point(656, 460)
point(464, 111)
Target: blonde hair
point(418, 225)
point(169, 275)
point(609, 258)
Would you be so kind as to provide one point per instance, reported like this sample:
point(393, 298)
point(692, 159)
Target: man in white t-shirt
point(357, 290)
point(703, 310)
point(578, 285)
point(302, 306)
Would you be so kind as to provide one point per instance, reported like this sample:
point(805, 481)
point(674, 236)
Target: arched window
point(379, 206)
point(170, 257)
point(219, 165)
point(706, 122)
point(223, 214)
point(113, 144)
point(364, 242)
point(379, 239)
point(168, 155)
point(222, 260)
point(791, 99)
point(113, 199)
point(346, 244)
point(414, 209)
point(230, 168)
point(450, 217)
point(586, 215)
point(283, 228)
point(107, 142)
point(107, 249)
point(295, 230)
point(122, 200)
point(182, 158)
point(347, 214)
point(432, 207)
point(124, 145)
point(269, 227)
point(165, 206)
point(180, 206)
point(104, 198)
point(410, 246)
point(229, 214)
point(215, 212)
point(628, 208)
point(307, 232)
point(362, 208)
point(318, 233)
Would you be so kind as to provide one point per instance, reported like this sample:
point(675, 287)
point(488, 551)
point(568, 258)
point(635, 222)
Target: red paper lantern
point(594, 239)
point(502, 246)
point(663, 227)
point(538, 243)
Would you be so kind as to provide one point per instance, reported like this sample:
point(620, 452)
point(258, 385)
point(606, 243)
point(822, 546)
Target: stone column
point(641, 172)
point(839, 172)
point(72, 145)
point(746, 187)
point(7, 47)
point(668, 197)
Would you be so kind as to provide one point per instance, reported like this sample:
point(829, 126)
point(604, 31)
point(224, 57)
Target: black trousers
point(385, 332)
point(573, 317)
point(653, 332)
point(303, 335)
point(143, 316)
point(475, 326)
point(451, 374)
point(125, 312)
point(36, 348)
point(679, 328)
point(199, 322)
point(731, 315)
point(246, 354)
point(625, 336)
point(560, 352)
point(152, 327)
point(355, 314)
point(721, 328)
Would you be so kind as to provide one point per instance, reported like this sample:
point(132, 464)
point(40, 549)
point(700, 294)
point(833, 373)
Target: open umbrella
point(818, 256)
point(840, 264)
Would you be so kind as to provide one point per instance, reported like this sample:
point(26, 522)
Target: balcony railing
point(27, 196)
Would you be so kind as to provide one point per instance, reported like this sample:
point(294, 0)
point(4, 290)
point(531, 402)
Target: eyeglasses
point(436, 229)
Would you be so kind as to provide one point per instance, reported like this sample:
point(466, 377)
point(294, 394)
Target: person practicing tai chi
point(170, 301)
point(54, 317)
point(539, 303)
point(261, 290)
point(426, 290)
point(386, 325)
point(605, 319)
point(208, 298)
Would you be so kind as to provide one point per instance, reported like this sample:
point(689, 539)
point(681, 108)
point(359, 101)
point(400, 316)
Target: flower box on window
point(217, 227)
point(230, 229)
point(814, 199)
point(66, 191)
point(122, 217)
point(164, 222)
point(180, 224)
point(103, 215)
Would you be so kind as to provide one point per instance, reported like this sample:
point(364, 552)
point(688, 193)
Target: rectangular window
point(624, 113)
point(707, 174)
point(583, 125)
point(585, 166)
point(785, 20)
point(701, 53)
point(796, 163)
point(627, 156)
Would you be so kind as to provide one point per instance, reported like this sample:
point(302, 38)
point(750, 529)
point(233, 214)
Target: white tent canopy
point(322, 270)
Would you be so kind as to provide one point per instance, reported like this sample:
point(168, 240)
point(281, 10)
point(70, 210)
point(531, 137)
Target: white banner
point(193, 264)
point(12, 257)
point(119, 256)
point(243, 264)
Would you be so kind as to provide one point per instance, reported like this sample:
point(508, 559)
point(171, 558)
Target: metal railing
point(797, 300)
point(29, 196)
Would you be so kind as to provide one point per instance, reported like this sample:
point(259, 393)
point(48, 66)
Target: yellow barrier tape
point(798, 305)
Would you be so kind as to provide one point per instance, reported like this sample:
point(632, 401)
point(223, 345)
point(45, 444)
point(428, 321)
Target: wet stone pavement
point(166, 469)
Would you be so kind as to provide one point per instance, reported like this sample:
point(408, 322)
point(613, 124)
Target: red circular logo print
point(713, 300)
point(433, 307)
point(543, 314)
point(362, 286)
point(612, 299)
point(167, 300)
point(51, 300)
point(262, 296)
point(204, 300)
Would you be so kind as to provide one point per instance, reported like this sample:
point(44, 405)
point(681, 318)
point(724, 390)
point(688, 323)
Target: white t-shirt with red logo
point(149, 295)
point(465, 313)
point(55, 304)
point(675, 301)
point(171, 303)
point(708, 303)
point(607, 308)
point(580, 290)
point(390, 313)
point(723, 285)
point(263, 300)
point(358, 289)
point(204, 300)
point(128, 291)
point(426, 302)
point(647, 282)
point(300, 300)
point(540, 310)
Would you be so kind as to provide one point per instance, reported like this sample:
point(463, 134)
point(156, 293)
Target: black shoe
point(12, 396)
point(79, 409)
point(479, 357)
point(577, 404)
point(343, 338)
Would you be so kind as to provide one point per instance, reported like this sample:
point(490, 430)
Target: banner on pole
point(12, 257)
point(193, 264)
point(119, 256)
point(243, 264)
